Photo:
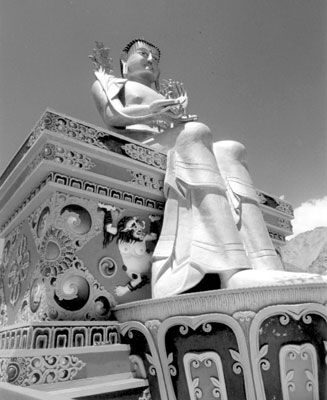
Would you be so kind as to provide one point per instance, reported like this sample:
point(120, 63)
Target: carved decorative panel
point(188, 343)
point(205, 376)
point(285, 341)
point(299, 372)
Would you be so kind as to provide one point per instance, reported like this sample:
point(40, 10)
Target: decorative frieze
point(73, 129)
point(62, 155)
point(150, 182)
point(78, 183)
point(145, 155)
point(61, 335)
point(67, 127)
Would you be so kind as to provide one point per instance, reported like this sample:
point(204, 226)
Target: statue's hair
point(130, 44)
point(128, 47)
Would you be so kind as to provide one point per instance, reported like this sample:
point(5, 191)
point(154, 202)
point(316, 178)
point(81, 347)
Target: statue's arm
point(114, 113)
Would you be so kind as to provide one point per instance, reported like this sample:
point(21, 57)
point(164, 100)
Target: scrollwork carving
point(41, 369)
point(172, 369)
point(299, 370)
point(194, 363)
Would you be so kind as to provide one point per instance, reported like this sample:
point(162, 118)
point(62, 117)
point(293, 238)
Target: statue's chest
point(136, 93)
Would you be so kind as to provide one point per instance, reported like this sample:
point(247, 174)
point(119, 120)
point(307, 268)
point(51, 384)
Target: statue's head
point(141, 58)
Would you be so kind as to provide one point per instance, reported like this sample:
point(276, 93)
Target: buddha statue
point(212, 226)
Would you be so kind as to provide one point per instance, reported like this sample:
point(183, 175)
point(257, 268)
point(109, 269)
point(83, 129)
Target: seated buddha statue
point(212, 226)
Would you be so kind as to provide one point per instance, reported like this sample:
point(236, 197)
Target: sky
point(255, 71)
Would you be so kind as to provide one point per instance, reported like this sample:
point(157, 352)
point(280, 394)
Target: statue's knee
point(196, 132)
point(230, 149)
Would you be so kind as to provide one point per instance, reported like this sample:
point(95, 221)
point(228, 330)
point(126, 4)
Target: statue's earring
point(124, 68)
point(157, 83)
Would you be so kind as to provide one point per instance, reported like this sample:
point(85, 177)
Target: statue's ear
point(157, 83)
point(123, 68)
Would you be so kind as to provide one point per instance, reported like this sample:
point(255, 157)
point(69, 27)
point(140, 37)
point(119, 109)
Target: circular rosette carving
point(107, 267)
point(101, 306)
point(57, 252)
point(72, 290)
point(16, 370)
point(77, 219)
point(36, 292)
point(76, 295)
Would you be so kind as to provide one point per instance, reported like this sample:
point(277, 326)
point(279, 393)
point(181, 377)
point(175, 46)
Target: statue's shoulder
point(109, 83)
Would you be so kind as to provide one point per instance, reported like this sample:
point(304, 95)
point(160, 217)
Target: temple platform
point(70, 327)
point(254, 344)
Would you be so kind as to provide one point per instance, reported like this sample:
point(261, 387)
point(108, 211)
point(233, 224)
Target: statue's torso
point(137, 93)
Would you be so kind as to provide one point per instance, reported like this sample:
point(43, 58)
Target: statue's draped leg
point(199, 235)
point(231, 159)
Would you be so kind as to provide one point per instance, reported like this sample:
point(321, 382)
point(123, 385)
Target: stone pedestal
point(255, 344)
point(66, 201)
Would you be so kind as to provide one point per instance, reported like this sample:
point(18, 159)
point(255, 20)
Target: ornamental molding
point(88, 186)
point(95, 137)
point(227, 301)
point(67, 127)
point(50, 335)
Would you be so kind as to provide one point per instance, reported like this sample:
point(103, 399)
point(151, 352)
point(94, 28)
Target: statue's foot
point(254, 278)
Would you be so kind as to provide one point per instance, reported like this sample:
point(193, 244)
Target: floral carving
point(57, 252)
point(38, 370)
point(67, 127)
point(150, 182)
point(18, 270)
point(263, 362)
point(145, 155)
point(62, 155)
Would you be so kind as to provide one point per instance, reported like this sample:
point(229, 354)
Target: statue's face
point(143, 62)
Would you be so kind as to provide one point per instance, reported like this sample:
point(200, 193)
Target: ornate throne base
point(256, 344)
point(65, 332)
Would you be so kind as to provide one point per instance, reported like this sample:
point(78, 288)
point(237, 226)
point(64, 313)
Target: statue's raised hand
point(163, 105)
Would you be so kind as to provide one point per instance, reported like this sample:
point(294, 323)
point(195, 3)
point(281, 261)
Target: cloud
point(309, 215)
